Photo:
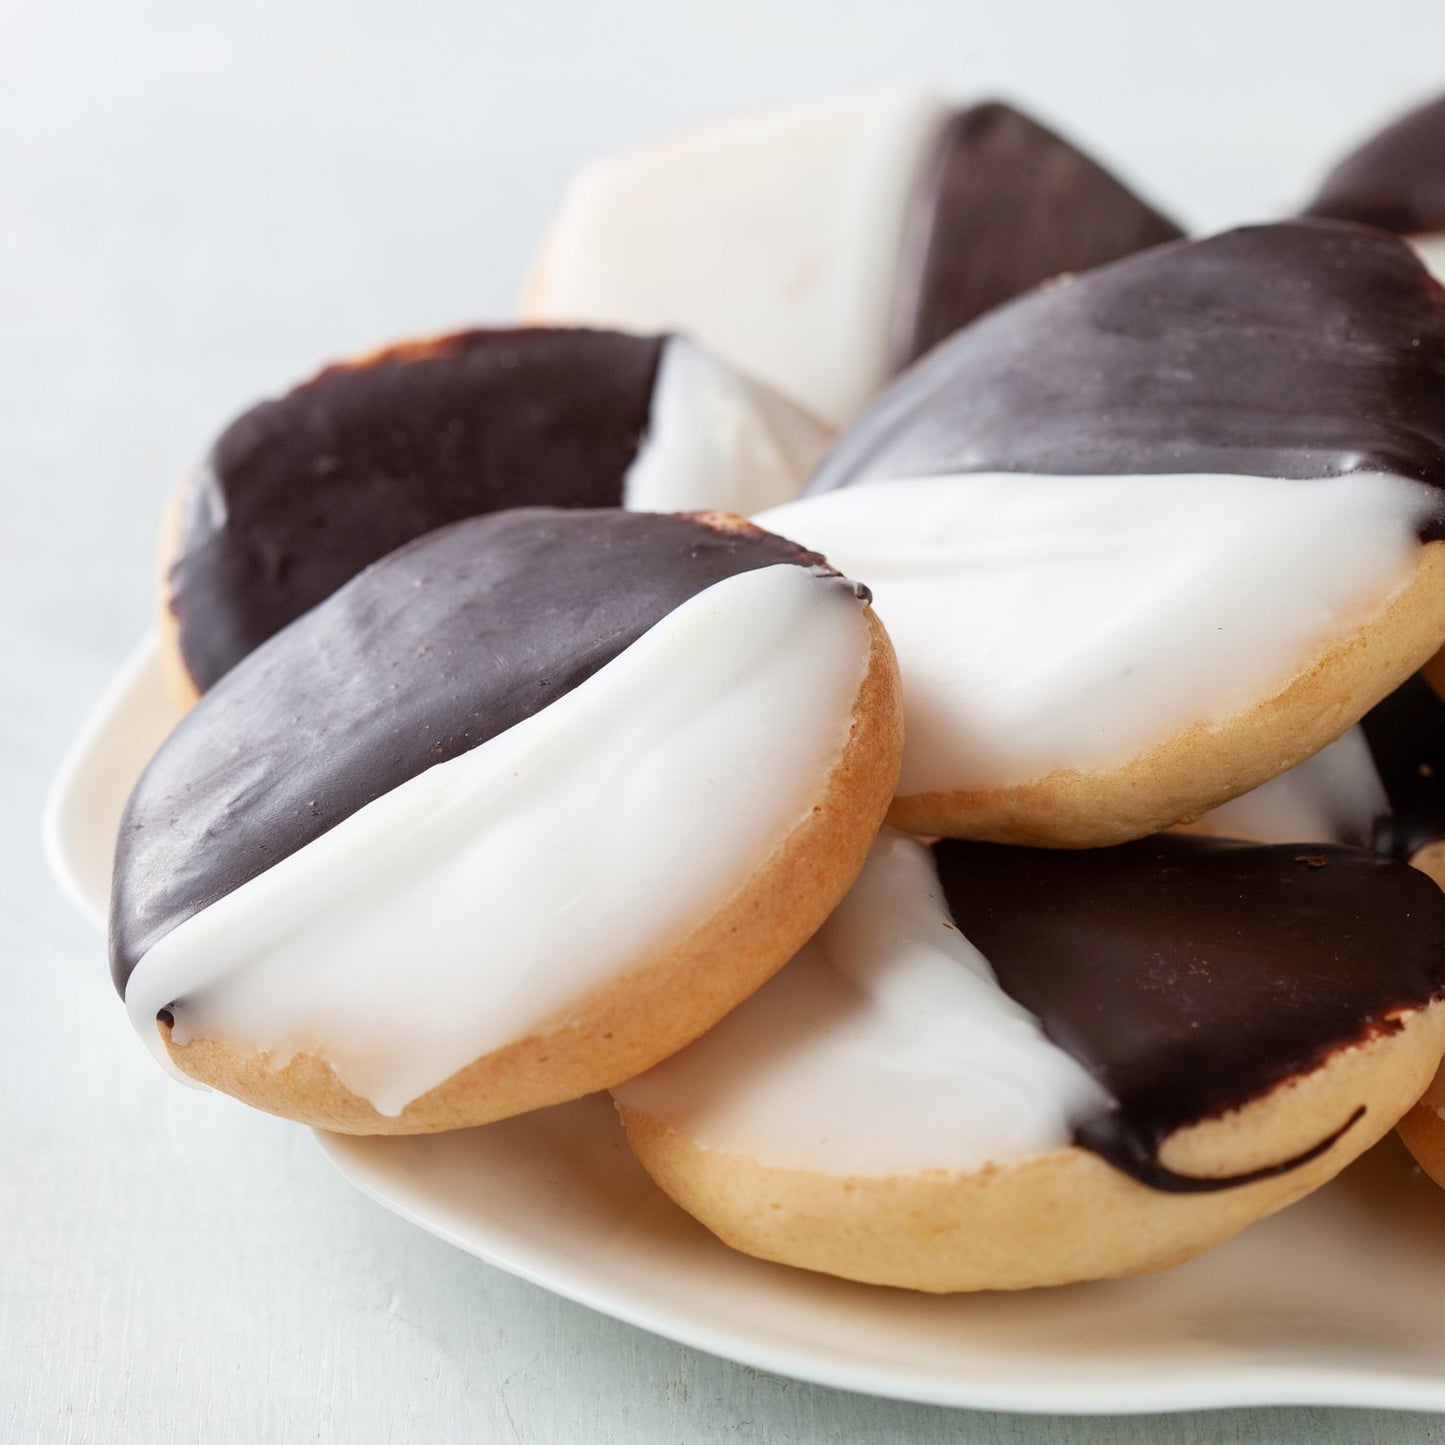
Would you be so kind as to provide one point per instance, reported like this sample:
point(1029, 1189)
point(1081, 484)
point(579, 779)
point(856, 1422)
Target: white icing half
point(1047, 622)
point(492, 892)
point(885, 1047)
point(718, 440)
point(773, 238)
point(1430, 248)
point(1334, 797)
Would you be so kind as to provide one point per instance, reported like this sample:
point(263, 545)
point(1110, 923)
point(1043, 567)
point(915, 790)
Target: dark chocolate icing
point(1396, 180)
point(1005, 204)
point(1191, 975)
point(1298, 350)
point(442, 645)
point(301, 493)
point(1406, 736)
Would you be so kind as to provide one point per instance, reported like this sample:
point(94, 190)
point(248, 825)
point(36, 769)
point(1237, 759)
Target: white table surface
point(200, 202)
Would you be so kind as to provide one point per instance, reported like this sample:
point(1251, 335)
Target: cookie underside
point(1055, 1218)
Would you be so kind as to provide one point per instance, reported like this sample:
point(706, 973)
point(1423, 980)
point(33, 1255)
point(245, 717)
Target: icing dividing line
point(493, 892)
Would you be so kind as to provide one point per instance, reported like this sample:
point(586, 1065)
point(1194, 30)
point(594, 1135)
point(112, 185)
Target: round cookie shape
point(301, 492)
point(524, 806)
point(822, 246)
point(998, 1068)
point(1150, 537)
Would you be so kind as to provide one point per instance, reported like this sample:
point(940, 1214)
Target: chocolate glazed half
point(1004, 205)
point(299, 494)
point(1192, 975)
point(442, 645)
point(1396, 180)
point(1306, 349)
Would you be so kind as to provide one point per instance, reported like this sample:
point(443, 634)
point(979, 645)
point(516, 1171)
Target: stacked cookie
point(823, 247)
point(521, 761)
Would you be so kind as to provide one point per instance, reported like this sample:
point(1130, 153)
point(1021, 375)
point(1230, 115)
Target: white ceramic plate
point(1340, 1300)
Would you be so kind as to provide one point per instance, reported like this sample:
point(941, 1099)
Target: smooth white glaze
point(1047, 622)
point(1430, 248)
point(773, 238)
point(717, 440)
point(495, 891)
point(1334, 797)
point(885, 1047)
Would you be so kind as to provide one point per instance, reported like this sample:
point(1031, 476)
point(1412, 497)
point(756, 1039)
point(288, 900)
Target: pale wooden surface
point(199, 203)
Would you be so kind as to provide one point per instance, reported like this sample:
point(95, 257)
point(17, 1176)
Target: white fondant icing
point(493, 892)
point(1431, 250)
point(773, 238)
point(1334, 797)
point(718, 440)
point(1049, 622)
point(885, 1047)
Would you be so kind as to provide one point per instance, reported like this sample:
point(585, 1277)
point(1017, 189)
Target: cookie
point(518, 811)
point(822, 247)
point(996, 1068)
point(1395, 180)
point(300, 493)
point(1150, 537)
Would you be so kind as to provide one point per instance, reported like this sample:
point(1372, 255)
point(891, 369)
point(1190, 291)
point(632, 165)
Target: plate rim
point(66, 783)
point(1239, 1385)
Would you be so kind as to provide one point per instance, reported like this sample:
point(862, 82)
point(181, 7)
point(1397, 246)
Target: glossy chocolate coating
point(301, 493)
point(442, 645)
point(1396, 180)
point(1299, 350)
point(1406, 735)
point(1006, 204)
point(1191, 975)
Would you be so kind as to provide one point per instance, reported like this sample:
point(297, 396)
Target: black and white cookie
point(995, 1067)
point(824, 246)
point(517, 812)
point(1150, 537)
